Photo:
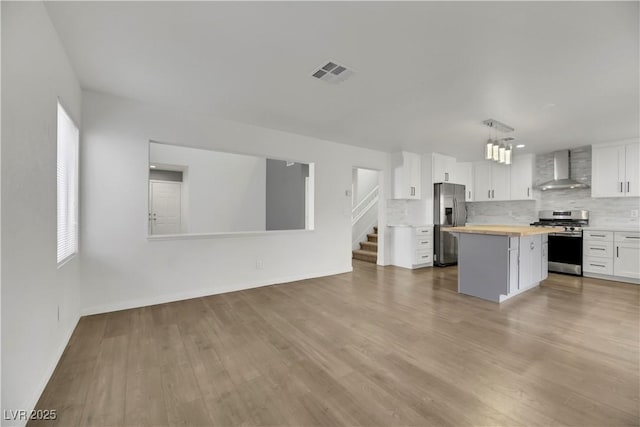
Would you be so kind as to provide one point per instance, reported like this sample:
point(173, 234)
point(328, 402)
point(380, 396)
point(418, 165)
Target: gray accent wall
point(285, 195)
point(612, 212)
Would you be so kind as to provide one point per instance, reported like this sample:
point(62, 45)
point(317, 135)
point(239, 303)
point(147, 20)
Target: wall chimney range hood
point(562, 173)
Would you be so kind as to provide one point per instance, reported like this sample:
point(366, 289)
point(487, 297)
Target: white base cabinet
point(612, 255)
point(412, 247)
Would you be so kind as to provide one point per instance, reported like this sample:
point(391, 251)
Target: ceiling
point(563, 74)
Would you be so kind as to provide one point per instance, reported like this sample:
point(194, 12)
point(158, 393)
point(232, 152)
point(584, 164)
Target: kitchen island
point(497, 262)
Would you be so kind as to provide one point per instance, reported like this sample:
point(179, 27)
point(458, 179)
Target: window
point(67, 186)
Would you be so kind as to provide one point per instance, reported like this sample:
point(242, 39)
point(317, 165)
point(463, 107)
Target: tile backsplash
point(613, 212)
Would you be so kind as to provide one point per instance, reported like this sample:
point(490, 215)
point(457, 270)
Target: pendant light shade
point(495, 155)
point(507, 155)
point(501, 150)
point(488, 151)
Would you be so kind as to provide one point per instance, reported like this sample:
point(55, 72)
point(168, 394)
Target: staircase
point(368, 250)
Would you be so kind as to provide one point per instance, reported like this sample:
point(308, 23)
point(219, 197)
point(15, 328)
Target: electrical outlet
point(259, 264)
point(634, 213)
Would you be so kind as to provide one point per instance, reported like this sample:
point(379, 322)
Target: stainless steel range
point(565, 247)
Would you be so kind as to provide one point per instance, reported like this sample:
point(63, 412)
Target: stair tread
point(365, 252)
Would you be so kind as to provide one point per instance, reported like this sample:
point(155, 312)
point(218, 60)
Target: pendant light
point(488, 151)
point(496, 148)
point(507, 155)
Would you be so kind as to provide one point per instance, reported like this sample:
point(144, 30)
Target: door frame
point(382, 212)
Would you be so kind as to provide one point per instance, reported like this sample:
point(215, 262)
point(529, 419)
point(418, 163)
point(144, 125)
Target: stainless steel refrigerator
point(449, 209)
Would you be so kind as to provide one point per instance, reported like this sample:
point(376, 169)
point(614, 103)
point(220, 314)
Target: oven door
point(565, 253)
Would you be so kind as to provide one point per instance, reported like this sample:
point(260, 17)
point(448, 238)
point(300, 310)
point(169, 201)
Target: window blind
point(67, 186)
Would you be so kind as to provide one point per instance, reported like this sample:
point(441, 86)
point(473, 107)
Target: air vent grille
point(331, 72)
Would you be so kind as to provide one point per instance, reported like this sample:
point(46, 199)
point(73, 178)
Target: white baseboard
point(197, 293)
point(612, 278)
point(33, 401)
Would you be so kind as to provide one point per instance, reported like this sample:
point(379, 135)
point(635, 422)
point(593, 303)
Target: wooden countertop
point(504, 230)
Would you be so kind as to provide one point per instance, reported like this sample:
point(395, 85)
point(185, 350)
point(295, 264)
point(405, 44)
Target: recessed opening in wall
point(68, 138)
point(198, 191)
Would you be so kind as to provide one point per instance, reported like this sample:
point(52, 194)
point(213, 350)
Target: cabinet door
point(414, 174)
point(464, 176)
point(500, 182)
point(525, 266)
point(536, 258)
point(513, 264)
point(450, 170)
point(632, 170)
point(522, 178)
point(625, 262)
point(406, 176)
point(482, 181)
point(530, 261)
point(607, 170)
point(627, 253)
point(544, 266)
point(443, 168)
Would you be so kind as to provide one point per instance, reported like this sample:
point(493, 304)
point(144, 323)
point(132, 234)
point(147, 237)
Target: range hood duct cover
point(562, 173)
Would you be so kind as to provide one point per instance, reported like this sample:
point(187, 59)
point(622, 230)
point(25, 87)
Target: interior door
point(166, 207)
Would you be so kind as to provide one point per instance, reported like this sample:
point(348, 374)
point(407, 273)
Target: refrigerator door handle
point(455, 214)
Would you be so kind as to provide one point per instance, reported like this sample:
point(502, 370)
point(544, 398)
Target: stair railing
point(364, 205)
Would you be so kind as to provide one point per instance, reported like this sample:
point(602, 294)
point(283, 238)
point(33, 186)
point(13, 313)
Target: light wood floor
point(380, 346)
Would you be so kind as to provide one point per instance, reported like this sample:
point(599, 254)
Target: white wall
point(35, 71)
point(364, 181)
point(121, 268)
point(226, 192)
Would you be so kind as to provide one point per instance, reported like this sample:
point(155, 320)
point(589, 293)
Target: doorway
point(365, 189)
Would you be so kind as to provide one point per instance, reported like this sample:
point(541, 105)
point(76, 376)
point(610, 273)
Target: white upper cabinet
point(482, 181)
point(443, 168)
point(491, 181)
point(406, 175)
point(464, 176)
point(632, 169)
point(522, 177)
point(615, 171)
point(500, 176)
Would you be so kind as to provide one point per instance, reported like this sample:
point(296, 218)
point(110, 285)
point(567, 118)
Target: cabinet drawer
point(598, 249)
point(628, 237)
point(424, 231)
point(606, 236)
point(423, 242)
point(423, 256)
point(598, 265)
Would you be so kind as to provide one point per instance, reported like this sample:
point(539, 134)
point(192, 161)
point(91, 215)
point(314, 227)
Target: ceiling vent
point(332, 73)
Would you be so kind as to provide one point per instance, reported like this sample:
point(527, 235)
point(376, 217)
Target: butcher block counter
point(504, 230)
point(497, 262)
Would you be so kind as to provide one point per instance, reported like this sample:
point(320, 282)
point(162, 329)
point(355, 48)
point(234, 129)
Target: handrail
point(365, 204)
point(373, 193)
